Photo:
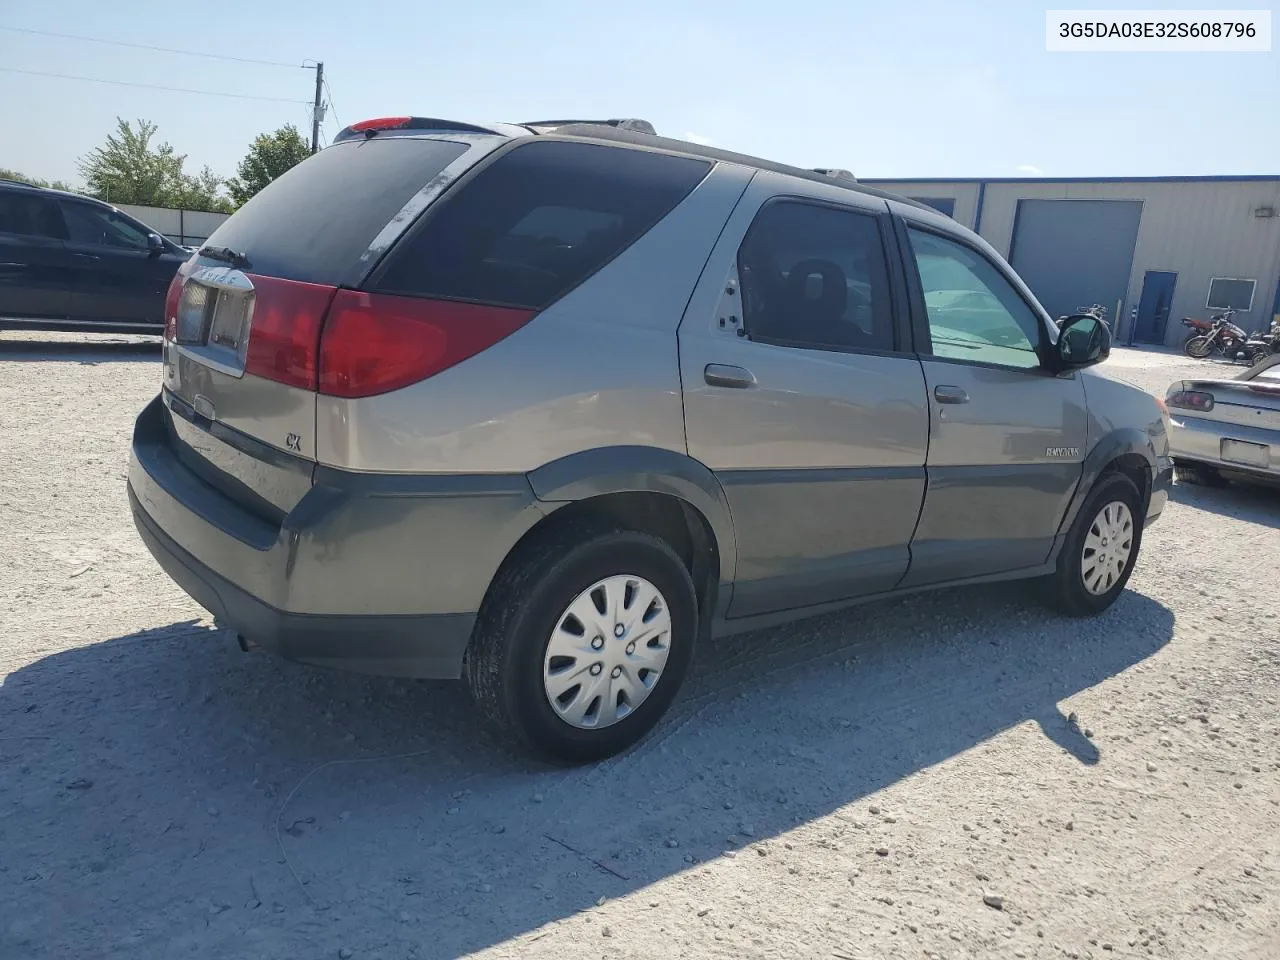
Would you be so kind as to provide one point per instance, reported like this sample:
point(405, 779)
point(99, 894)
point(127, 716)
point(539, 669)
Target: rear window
point(315, 222)
point(537, 222)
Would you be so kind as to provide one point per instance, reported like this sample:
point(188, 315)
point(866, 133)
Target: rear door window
point(315, 222)
point(815, 277)
point(28, 215)
point(538, 222)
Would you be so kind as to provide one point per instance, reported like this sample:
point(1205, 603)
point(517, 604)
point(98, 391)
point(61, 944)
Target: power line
point(144, 46)
point(152, 86)
point(332, 108)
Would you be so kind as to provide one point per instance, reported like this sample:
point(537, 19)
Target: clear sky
point(887, 89)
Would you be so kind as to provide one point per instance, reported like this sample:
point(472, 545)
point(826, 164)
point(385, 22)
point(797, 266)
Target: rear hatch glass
point(315, 222)
point(243, 328)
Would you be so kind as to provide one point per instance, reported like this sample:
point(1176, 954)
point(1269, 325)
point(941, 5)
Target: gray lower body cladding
point(375, 573)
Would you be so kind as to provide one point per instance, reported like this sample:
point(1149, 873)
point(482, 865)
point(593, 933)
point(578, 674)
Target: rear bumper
point(372, 573)
point(1200, 441)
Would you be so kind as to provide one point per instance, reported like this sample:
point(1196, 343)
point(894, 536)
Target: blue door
point(1153, 308)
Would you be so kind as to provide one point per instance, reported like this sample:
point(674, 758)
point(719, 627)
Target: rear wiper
point(226, 255)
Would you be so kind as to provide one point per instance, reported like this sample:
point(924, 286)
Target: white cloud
point(1030, 170)
point(700, 139)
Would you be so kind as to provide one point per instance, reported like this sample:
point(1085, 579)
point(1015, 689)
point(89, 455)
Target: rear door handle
point(87, 256)
point(945, 393)
point(726, 375)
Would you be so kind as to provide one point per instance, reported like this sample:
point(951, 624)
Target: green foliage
point(6, 174)
point(127, 168)
point(270, 155)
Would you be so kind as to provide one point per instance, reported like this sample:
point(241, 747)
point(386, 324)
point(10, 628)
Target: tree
point(270, 155)
point(201, 193)
point(6, 174)
point(128, 169)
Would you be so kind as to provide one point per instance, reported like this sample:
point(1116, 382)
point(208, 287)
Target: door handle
point(945, 393)
point(726, 375)
point(87, 256)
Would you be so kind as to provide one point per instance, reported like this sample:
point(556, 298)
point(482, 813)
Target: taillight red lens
point(380, 123)
point(374, 343)
point(284, 332)
point(171, 299)
point(1190, 400)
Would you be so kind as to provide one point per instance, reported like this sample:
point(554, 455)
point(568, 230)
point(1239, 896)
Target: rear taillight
point(284, 338)
point(1190, 400)
point(171, 298)
point(374, 343)
point(379, 123)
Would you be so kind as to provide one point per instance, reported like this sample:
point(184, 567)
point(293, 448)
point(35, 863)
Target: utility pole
point(317, 111)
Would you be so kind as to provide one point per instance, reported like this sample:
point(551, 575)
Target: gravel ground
point(954, 775)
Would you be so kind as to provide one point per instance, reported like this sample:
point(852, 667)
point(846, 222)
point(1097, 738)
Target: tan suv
point(540, 405)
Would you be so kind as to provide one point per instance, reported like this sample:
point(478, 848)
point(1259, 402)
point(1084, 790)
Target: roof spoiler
point(635, 125)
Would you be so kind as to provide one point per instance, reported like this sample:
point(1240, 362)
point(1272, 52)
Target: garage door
point(1074, 253)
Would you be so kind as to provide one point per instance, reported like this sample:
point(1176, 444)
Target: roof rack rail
point(18, 183)
point(633, 124)
point(838, 173)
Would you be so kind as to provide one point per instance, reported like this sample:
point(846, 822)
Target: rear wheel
point(583, 642)
point(1197, 347)
point(1258, 355)
point(1100, 550)
point(1197, 474)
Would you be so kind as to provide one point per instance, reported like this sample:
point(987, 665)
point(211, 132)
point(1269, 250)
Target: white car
point(1227, 429)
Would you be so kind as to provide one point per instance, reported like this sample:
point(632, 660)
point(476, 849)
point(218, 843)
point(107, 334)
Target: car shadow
point(169, 795)
point(90, 350)
point(1254, 503)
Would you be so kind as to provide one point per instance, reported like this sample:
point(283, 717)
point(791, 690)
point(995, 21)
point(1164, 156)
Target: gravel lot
point(850, 787)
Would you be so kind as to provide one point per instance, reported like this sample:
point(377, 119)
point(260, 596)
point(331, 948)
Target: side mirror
point(155, 243)
point(1083, 340)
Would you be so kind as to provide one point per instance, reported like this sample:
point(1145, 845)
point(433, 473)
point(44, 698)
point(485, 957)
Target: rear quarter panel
point(598, 368)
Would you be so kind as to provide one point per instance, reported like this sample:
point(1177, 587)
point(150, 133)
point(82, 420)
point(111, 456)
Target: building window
point(1229, 293)
point(945, 205)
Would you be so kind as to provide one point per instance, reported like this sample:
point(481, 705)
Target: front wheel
point(583, 642)
point(1197, 347)
point(1100, 550)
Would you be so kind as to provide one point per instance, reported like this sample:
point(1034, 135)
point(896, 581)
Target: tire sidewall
point(1188, 350)
point(1111, 488)
point(636, 554)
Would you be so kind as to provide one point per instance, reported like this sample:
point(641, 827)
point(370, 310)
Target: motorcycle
point(1260, 345)
point(1096, 310)
point(1208, 336)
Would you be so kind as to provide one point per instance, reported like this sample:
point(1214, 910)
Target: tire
point(1197, 474)
point(1197, 347)
point(1258, 355)
point(509, 664)
point(1068, 589)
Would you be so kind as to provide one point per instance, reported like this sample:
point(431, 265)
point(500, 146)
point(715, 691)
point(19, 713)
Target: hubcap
point(1107, 547)
point(592, 682)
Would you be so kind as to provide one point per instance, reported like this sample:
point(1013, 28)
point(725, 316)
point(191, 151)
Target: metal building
point(1151, 249)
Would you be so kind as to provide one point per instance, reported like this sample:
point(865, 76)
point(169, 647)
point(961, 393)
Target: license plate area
point(1246, 454)
point(215, 314)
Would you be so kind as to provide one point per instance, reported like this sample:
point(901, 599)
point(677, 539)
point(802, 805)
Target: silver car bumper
point(1208, 442)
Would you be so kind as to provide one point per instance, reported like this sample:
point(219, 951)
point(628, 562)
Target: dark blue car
point(69, 262)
